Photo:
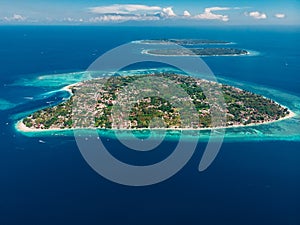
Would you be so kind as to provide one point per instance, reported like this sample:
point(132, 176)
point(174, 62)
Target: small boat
point(41, 141)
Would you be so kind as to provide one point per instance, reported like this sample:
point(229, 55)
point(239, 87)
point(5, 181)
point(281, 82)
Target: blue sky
point(152, 12)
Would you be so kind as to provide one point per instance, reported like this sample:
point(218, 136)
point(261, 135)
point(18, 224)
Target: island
point(182, 42)
point(197, 52)
point(242, 107)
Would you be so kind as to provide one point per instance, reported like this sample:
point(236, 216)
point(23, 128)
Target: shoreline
point(68, 88)
point(249, 53)
point(21, 127)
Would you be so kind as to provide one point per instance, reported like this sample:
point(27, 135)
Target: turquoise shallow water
point(4, 104)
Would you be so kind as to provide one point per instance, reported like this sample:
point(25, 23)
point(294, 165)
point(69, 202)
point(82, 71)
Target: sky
point(150, 12)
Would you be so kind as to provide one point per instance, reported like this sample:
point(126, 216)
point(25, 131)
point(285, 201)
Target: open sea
point(255, 178)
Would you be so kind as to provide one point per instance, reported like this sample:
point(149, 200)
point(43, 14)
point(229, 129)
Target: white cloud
point(123, 9)
point(209, 15)
point(257, 15)
point(122, 18)
point(15, 17)
point(69, 19)
point(74, 20)
point(216, 9)
point(186, 13)
point(126, 12)
point(169, 11)
point(280, 15)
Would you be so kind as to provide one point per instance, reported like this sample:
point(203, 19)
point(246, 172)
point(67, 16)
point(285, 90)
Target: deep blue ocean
point(49, 182)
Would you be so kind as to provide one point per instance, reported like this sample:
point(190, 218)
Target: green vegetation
point(197, 51)
point(147, 109)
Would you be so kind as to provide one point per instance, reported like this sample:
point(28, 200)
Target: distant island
point(242, 107)
point(182, 42)
point(207, 51)
point(197, 52)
